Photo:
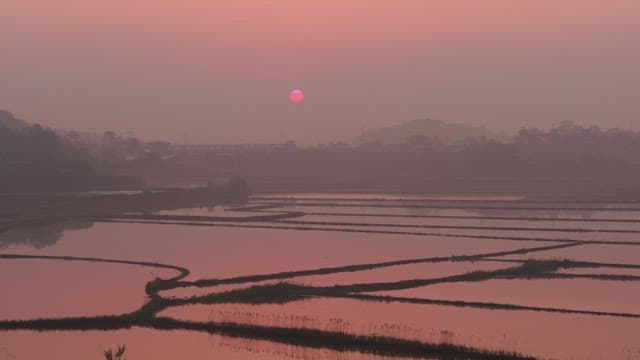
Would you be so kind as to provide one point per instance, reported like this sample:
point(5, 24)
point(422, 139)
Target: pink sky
point(221, 71)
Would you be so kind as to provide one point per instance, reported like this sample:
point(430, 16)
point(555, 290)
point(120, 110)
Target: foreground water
point(329, 242)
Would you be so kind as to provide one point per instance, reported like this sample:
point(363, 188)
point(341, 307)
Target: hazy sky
point(220, 71)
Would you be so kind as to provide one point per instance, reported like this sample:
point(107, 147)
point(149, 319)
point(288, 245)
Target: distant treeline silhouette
point(568, 150)
point(35, 158)
point(567, 158)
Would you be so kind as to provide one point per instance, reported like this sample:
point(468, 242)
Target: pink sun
point(296, 96)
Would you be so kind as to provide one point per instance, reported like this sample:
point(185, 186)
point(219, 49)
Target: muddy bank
point(43, 209)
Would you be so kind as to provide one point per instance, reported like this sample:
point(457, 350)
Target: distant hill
point(8, 120)
point(435, 129)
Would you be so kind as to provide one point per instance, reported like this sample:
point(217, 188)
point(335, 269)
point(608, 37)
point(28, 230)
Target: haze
point(204, 71)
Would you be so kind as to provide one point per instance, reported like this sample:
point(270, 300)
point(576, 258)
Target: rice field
point(330, 276)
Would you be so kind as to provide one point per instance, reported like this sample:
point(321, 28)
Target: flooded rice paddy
point(330, 276)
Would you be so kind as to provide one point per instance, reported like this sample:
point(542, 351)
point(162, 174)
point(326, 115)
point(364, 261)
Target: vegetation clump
point(117, 355)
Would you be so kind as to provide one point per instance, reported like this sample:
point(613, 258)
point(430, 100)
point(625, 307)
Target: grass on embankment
point(284, 292)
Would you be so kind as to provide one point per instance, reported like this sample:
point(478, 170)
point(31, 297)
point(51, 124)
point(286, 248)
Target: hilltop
point(9, 121)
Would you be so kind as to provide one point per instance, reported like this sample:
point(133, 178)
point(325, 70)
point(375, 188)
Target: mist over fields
point(417, 156)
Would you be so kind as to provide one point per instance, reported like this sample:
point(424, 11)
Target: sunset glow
point(370, 63)
point(462, 181)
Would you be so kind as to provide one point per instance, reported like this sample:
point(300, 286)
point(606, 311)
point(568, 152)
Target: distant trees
point(569, 139)
point(109, 145)
point(36, 158)
point(36, 144)
point(568, 136)
point(419, 140)
point(115, 148)
point(565, 151)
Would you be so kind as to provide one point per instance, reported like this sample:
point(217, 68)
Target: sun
point(296, 96)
